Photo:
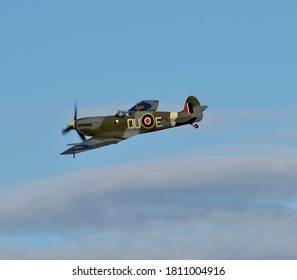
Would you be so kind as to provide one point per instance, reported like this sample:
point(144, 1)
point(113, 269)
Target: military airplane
point(141, 118)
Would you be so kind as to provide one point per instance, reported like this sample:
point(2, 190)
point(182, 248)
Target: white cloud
point(241, 207)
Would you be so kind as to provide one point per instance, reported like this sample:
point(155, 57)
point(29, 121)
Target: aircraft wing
point(145, 105)
point(90, 144)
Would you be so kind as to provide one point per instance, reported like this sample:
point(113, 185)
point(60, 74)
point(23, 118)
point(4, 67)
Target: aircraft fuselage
point(129, 125)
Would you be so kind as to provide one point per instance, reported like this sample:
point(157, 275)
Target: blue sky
point(226, 190)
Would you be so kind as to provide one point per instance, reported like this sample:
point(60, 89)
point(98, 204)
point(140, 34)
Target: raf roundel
point(147, 121)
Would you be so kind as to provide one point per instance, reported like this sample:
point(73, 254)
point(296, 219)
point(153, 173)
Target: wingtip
point(67, 152)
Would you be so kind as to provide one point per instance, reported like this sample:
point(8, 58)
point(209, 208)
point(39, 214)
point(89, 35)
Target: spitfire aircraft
point(141, 118)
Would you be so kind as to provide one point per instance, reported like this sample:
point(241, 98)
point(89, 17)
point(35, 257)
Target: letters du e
point(136, 123)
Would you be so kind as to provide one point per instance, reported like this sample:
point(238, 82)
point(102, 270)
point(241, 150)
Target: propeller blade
point(82, 137)
point(75, 111)
point(66, 130)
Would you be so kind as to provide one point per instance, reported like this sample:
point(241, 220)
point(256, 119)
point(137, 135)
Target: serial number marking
point(171, 119)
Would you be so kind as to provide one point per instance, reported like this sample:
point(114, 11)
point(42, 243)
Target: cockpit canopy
point(123, 114)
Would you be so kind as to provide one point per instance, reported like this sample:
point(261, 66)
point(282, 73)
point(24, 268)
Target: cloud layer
point(194, 208)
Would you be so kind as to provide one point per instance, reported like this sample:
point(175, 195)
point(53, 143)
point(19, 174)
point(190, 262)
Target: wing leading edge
point(91, 144)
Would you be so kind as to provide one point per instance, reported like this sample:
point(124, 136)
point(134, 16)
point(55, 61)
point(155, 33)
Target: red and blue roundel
point(147, 121)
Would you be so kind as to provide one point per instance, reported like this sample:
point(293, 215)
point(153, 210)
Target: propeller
point(71, 126)
point(66, 130)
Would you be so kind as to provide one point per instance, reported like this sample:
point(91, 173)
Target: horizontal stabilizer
point(204, 107)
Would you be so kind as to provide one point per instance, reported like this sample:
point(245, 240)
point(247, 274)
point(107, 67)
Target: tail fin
point(193, 107)
point(190, 105)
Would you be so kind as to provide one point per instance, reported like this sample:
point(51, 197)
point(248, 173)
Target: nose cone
point(72, 125)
